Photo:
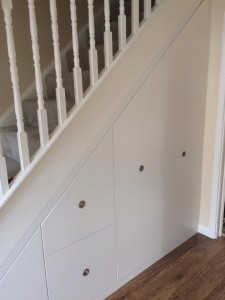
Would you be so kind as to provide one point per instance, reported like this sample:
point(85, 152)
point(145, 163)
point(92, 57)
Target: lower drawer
point(84, 270)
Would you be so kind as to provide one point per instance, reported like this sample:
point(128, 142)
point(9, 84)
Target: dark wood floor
point(193, 271)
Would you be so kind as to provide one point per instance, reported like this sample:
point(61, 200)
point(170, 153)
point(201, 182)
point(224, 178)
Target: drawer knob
point(141, 168)
point(82, 204)
point(86, 272)
point(184, 153)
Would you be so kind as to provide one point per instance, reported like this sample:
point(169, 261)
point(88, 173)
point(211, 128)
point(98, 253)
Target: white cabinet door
point(184, 128)
point(139, 135)
point(88, 204)
point(25, 280)
point(84, 270)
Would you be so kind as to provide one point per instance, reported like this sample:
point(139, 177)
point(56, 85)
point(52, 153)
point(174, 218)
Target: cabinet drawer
point(84, 270)
point(88, 204)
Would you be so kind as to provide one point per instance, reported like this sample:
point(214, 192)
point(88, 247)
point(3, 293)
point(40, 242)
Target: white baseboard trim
point(206, 231)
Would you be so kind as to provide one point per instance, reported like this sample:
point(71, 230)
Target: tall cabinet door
point(186, 77)
point(138, 142)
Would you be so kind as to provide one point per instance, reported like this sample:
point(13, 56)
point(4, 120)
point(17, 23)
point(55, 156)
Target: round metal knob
point(141, 168)
point(184, 153)
point(82, 204)
point(86, 272)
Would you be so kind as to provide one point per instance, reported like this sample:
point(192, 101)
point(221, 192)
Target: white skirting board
point(206, 231)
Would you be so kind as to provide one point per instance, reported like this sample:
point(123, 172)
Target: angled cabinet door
point(139, 134)
point(25, 280)
point(88, 204)
point(186, 82)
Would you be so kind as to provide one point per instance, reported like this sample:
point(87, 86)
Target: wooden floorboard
point(193, 271)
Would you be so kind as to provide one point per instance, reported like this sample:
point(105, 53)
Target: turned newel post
point(42, 115)
point(93, 57)
point(60, 91)
point(3, 175)
point(107, 36)
point(122, 27)
point(77, 75)
point(21, 134)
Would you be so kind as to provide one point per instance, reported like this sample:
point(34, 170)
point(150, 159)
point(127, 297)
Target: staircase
point(38, 118)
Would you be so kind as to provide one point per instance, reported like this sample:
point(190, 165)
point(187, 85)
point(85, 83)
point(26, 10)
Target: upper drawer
point(87, 206)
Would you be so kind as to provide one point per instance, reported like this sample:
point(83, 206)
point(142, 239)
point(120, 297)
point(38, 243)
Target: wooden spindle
point(77, 75)
point(60, 91)
point(21, 134)
point(122, 26)
point(147, 8)
point(93, 57)
point(134, 16)
point(107, 36)
point(41, 113)
point(4, 186)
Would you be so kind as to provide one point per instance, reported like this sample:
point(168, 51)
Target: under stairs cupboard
point(137, 196)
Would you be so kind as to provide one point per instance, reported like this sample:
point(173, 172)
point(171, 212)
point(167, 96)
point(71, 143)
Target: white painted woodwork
point(25, 280)
point(60, 91)
point(68, 223)
point(122, 26)
point(186, 72)
point(38, 194)
point(4, 186)
point(147, 8)
point(107, 36)
point(160, 118)
point(134, 16)
point(139, 137)
point(65, 269)
point(21, 134)
point(77, 74)
point(93, 57)
point(42, 114)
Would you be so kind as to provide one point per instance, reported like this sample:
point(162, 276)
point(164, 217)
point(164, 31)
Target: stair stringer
point(33, 199)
